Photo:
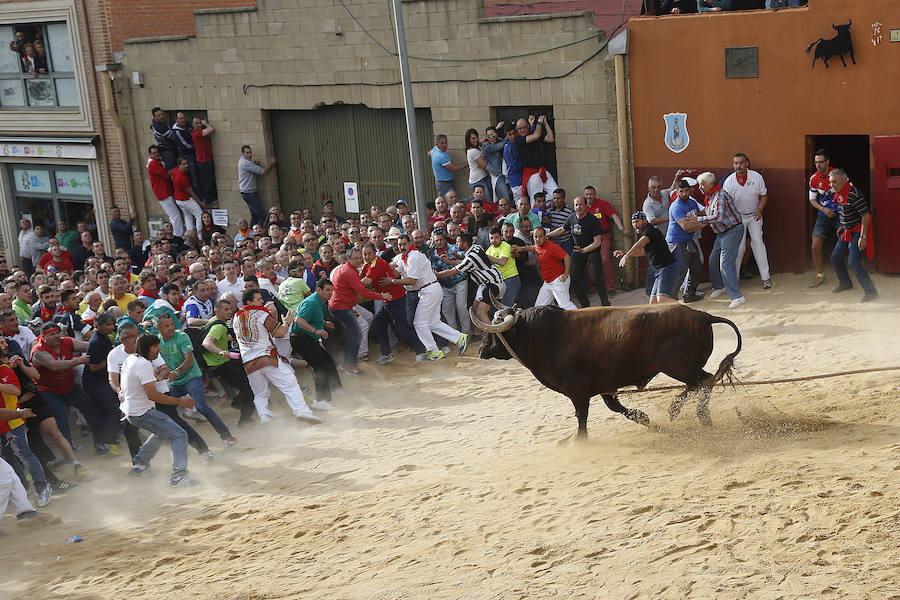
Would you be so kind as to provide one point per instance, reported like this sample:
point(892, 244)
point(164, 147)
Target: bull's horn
point(508, 322)
point(497, 304)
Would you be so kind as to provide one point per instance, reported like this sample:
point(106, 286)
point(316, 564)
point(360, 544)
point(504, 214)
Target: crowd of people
point(679, 7)
point(126, 349)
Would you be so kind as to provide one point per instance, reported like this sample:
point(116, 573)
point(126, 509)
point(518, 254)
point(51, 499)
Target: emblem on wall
point(876, 33)
point(677, 138)
point(839, 45)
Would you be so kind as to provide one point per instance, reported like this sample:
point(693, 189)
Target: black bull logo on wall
point(839, 45)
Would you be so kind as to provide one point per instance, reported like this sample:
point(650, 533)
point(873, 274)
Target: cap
point(639, 215)
point(399, 201)
point(393, 233)
point(329, 201)
point(687, 182)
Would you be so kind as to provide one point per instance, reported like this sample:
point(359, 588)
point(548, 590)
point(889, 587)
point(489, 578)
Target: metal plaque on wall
point(741, 62)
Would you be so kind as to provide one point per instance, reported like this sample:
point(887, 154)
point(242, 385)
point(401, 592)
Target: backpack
point(197, 335)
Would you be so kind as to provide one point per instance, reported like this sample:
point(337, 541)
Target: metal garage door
point(318, 150)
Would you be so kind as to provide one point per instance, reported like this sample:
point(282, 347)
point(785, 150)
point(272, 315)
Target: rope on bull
point(771, 381)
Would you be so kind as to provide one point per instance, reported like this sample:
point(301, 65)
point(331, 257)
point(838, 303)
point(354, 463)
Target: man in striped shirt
point(724, 219)
point(559, 216)
point(482, 273)
point(852, 242)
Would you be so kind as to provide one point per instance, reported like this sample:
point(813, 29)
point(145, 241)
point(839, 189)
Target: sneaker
point(230, 442)
point(308, 417)
point(101, 449)
point(61, 487)
point(354, 371)
point(190, 413)
point(364, 358)
point(43, 497)
point(139, 470)
point(435, 355)
point(767, 284)
point(385, 359)
point(80, 470)
point(114, 449)
point(76, 447)
point(322, 405)
point(687, 298)
point(819, 280)
point(737, 302)
point(207, 456)
point(610, 293)
point(869, 296)
point(462, 343)
point(31, 518)
point(716, 293)
point(842, 288)
point(56, 462)
point(266, 418)
point(421, 357)
point(210, 393)
point(183, 481)
point(445, 349)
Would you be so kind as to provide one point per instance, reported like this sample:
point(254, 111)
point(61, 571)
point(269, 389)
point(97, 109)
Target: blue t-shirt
point(513, 165)
point(438, 160)
point(678, 210)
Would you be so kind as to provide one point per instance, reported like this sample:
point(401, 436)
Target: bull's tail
point(810, 47)
point(726, 367)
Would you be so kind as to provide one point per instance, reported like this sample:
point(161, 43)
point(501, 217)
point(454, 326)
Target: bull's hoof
point(638, 416)
point(703, 415)
point(677, 405)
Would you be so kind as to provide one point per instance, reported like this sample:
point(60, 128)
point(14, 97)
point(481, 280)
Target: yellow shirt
point(124, 300)
point(10, 402)
point(509, 269)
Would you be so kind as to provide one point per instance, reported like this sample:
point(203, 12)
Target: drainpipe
point(120, 134)
point(618, 47)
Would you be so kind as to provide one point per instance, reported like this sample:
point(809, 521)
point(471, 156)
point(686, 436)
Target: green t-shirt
point(219, 334)
point(313, 310)
point(23, 311)
point(509, 269)
point(292, 291)
point(173, 352)
point(67, 240)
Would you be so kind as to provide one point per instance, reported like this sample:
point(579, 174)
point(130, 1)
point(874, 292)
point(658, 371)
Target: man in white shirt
point(232, 282)
point(20, 334)
point(416, 274)
point(139, 395)
point(254, 328)
point(748, 189)
point(198, 309)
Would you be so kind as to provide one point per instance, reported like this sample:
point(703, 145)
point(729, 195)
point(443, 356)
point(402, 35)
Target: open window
point(37, 67)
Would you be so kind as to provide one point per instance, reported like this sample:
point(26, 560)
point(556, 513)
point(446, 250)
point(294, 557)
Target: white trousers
point(11, 489)
point(192, 213)
point(364, 318)
point(535, 185)
point(283, 378)
point(174, 215)
point(755, 229)
point(427, 321)
point(555, 290)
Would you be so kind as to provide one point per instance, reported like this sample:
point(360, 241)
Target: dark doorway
point(509, 114)
point(848, 152)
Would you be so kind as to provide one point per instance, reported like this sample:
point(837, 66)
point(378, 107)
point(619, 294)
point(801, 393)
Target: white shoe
point(716, 293)
point(420, 357)
point(322, 405)
point(266, 418)
point(308, 417)
point(190, 413)
point(737, 302)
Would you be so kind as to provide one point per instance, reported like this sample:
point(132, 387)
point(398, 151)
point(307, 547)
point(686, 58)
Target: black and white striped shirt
point(479, 267)
point(558, 218)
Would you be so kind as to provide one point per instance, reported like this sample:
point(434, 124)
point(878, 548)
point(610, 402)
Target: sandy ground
point(462, 479)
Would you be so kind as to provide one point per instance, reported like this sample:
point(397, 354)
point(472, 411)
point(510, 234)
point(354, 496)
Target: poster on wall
point(351, 197)
point(677, 138)
point(220, 217)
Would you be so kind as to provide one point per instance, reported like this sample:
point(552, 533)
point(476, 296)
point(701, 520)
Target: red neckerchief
point(741, 179)
point(68, 310)
point(11, 332)
point(243, 315)
point(46, 313)
point(405, 257)
point(272, 279)
point(841, 196)
point(711, 192)
point(143, 292)
point(821, 182)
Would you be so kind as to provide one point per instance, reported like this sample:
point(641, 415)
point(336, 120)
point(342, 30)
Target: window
point(509, 114)
point(37, 67)
point(47, 194)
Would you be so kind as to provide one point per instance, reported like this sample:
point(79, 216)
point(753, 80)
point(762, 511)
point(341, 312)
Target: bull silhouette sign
point(839, 45)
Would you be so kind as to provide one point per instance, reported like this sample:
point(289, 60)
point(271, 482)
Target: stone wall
point(298, 55)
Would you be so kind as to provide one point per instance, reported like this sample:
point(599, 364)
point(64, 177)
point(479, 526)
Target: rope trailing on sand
point(772, 381)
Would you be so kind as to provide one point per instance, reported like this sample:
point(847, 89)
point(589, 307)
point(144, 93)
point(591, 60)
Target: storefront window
point(37, 68)
point(47, 194)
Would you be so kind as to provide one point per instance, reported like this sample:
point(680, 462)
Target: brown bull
point(582, 353)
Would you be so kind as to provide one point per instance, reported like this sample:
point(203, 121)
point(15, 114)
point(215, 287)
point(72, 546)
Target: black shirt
point(583, 229)
point(98, 349)
point(531, 153)
point(657, 250)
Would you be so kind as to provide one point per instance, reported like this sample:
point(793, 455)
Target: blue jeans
point(513, 284)
point(651, 277)
point(194, 388)
point(664, 281)
point(394, 313)
point(162, 428)
point(501, 190)
point(486, 183)
point(723, 261)
point(347, 318)
point(845, 252)
point(443, 186)
point(18, 440)
point(257, 212)
point(98, 419)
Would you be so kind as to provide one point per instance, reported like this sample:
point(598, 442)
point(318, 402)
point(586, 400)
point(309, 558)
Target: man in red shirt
point(347, 288)
point(52, 355)
point(161, 183)
point(604, 211)
point(555, 264)
point(56, 256)
point(186, 198)
point(393, 312)
point(205, 174)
